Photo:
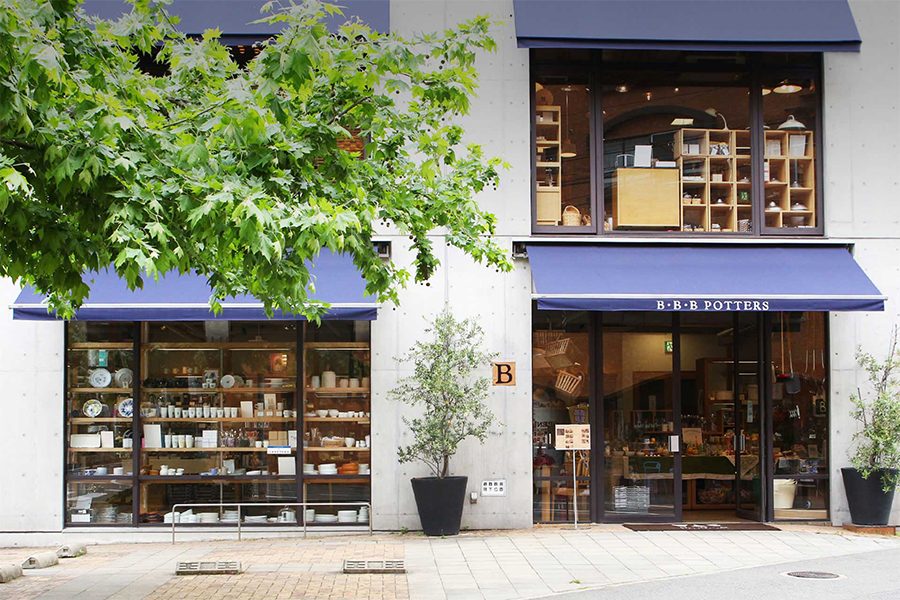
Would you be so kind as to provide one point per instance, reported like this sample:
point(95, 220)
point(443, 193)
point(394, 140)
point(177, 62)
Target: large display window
point(227, 411)
point(676, 142)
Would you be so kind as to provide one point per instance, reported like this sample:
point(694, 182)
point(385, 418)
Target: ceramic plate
point(227, 381)
point(124, 378)
point(125, 407)
point(92, 408)
point(100, 378)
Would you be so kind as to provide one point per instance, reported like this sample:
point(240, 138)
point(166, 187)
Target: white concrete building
point(639, 376)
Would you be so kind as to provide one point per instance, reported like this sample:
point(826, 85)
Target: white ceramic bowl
point(322, 413)
point(343, 415)
point(333, 412)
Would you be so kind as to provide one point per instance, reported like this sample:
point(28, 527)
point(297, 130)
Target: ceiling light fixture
point(622, 88)
point(714, 113)
point(682, 121)
point(787, 87)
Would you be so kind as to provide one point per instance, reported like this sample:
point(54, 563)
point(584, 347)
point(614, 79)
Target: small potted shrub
point(446, 387)
point(871, 482)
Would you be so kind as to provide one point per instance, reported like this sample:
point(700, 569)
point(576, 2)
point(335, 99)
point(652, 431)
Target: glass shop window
point(789, 168)
point(676, 155)
point(562, 146)
point(561, 384)
point(800, 416)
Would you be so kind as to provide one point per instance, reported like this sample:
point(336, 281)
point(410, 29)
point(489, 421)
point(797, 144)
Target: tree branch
point(18, 144)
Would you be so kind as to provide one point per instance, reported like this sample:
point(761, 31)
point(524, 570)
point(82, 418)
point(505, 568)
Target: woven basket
point(568, 384)
point(571, 216)
point(562, 353)
point(542, 337)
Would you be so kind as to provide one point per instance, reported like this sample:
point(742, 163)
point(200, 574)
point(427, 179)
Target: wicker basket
point(543, 337)
point(562, 353)
point(568, 384)
point(571, 216)
point(332, 443)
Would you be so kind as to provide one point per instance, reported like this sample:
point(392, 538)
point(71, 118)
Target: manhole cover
point(375, 566)
point(209, 567)
point(813, 575)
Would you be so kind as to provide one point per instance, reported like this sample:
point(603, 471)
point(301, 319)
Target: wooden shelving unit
point(548, 140)
point(714, 172)
point(790, 179)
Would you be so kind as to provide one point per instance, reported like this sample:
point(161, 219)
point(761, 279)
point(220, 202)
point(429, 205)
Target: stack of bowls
point(309, 469)
point(346, 516)
point(230, 516)
point(209, 517)
point(328, 469)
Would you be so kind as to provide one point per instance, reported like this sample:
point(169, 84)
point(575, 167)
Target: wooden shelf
point(218, 346)
point(357, 478)
point(218, 420)
point(196, 478)
point(101, 346)
point(335, 449)
point(198, 449)
point(338, 390)
point(113, 450)
point(336, 419)
point(94, 420)
point(106, 390)
point(336, 345)
point(220, 390)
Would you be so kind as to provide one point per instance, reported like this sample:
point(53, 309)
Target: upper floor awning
point(723, 25)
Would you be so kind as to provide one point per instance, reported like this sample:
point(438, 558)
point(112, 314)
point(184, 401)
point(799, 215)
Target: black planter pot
point(869, 503)
point(440, 503)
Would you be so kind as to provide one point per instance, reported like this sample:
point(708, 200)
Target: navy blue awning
point(699, 278)
point(177, 297)
point(234, 18)
point(725, 25)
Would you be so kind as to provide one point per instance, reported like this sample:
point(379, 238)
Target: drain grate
point(813, 575)
point(208, 567)
point(375, 566)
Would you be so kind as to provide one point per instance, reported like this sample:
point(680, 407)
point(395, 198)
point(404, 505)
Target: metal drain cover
point(208, 567)
point(813, 575)
point(375, 566)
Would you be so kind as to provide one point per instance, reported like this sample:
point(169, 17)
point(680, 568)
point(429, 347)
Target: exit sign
point(669, 346)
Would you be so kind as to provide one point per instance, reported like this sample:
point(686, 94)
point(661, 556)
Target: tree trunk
point(445, 469)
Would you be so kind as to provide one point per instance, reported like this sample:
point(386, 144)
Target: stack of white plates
point(124, 517)
point(328, 469)
point(363, 516)
point(209, 517)
point(230, 516)
point(255, 519)
point(309, 469)
point(326, 519)
point(346, 516)
point(108, 514)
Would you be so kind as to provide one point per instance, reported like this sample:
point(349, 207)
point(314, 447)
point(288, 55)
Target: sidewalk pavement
point(492, 565)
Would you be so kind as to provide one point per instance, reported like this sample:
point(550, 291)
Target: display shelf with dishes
point(215, 400)
point(100, 420)
point(336, 424)
point(790, 179)
point(548, 136)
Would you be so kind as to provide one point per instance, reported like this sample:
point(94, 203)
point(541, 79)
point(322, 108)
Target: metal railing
point(240, 505)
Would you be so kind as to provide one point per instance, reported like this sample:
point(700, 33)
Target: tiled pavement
point(490, 565)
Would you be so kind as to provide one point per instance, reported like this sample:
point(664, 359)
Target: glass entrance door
point(641, 416)
point(749, 416)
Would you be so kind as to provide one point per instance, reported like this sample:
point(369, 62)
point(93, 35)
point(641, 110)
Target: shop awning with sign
point(709, 278)
point(722, 25)
point(175, 297)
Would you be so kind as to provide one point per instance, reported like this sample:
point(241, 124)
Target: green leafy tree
point(235, 173)
point(444, 386)
point(878, 440)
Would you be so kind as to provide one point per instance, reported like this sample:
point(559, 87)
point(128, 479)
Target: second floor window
point(675, 143)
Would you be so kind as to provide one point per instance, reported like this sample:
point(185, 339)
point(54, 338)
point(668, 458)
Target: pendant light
point(568, 146)
point(787, 87)
point(792, 124)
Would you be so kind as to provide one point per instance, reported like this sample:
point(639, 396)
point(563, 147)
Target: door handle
point(674, 443)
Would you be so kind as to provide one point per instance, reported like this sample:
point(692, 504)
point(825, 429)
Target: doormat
point(700, 527)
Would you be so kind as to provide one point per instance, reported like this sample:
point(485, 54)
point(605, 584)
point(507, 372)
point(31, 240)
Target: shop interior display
point(548, 137)
point(217, 421)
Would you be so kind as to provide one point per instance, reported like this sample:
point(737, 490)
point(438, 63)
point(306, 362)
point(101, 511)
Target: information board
point(573, 437)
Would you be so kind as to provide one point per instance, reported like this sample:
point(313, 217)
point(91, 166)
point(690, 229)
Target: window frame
point(756, 70)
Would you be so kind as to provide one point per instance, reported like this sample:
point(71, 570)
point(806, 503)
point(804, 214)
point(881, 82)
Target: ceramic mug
point(163, 411)
point(258, 444)
point(354, 382)
point(188, 441)
point(127, 443)
point(314, 382)
point(177, 414)
point(349, 442)
point(343, 382)
point(206, 411)
point(101, 471)
point(192, 412)
point(167, 440)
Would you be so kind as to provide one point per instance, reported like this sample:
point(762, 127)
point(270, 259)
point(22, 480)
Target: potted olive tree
point(871, 482)
point(446, 387)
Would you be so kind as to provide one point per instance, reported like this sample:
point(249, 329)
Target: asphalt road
point(866, 576)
